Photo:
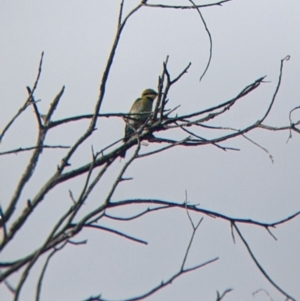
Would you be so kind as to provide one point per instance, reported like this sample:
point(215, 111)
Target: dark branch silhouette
point(162, 120)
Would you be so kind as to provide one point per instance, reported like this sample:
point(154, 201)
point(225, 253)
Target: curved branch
point(259, 266)
point(209, 36)
point(163, 204)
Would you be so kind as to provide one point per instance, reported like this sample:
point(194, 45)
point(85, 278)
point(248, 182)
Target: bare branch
point(187, 7)
point(36, 110)
point(200, 210)
point(181, 271)
point(190, 242)
point(27, 102)
point(209, 36)
point(259, 266)
point(148, 210)
point(40, 281)
point(116, 232)
point(61, 236)
point(163, 119)
point(291, 123)
point(287, 58)
point(25, 149)
point(263, 290)
point(219, 298)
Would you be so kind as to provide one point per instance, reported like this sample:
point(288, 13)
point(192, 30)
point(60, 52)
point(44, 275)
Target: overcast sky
point(250, 37)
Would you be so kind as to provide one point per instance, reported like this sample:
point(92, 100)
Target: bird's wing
point(135, 106)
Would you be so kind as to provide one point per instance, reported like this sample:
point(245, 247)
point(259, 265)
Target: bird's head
point(150, 94)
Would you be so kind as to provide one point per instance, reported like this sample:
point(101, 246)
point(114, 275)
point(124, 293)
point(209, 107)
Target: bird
point(134, 122)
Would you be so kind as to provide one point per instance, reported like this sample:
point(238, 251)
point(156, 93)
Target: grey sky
point(249, 40)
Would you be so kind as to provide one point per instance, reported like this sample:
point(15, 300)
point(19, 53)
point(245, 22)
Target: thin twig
point(209, 36)
point(40, 281)
point(259, 266)
point(27, 102)
point(287, 58)
point(35, 107)
point(116, 232)
point(219, 3)
point(219, 298)
point(25, 149)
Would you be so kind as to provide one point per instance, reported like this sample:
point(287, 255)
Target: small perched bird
point(141, 105)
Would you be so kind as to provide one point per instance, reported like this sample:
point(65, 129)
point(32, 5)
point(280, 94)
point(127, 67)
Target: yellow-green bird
point(141, 105)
